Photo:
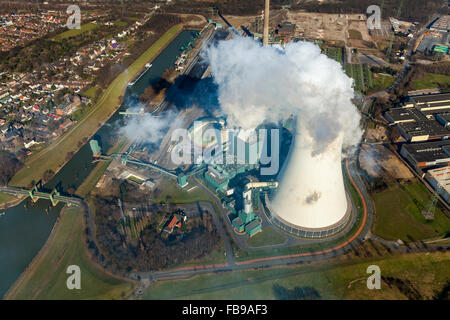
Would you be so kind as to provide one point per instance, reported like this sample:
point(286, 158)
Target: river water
point(25, 228)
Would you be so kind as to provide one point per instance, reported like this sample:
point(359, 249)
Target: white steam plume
point(148, 128)
point(258, 84)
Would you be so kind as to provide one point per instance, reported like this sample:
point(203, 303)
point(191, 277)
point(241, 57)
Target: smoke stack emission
point(266, 23)
point(260, 84)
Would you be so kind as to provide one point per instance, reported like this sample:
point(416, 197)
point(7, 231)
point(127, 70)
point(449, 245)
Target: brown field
point(375, 157)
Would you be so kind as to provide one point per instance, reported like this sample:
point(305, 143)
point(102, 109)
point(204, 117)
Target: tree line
point(152, 251)
point(9, 165)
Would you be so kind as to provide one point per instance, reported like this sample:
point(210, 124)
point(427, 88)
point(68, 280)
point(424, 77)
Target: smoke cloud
point(258, 84)
point(147, 128)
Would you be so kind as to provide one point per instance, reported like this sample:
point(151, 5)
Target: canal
point(25, 228)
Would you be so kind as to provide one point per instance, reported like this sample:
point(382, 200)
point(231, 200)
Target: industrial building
point(439, 179)
point(427, 130)
point(246, 219)
point(437, 39)
point(427, 155)
point(421, 118)
point(441, 24)
point(431, 101)
point(443, 118)
point(286, 31)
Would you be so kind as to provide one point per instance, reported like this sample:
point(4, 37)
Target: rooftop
point(404, 115)
point(433, 98)
point(425, 127)
point(429, 151)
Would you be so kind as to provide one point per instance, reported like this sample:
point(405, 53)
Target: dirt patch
point(238, 21)
point(361, 28)
point(375, 159)
point(378, 134)
point(192, 20)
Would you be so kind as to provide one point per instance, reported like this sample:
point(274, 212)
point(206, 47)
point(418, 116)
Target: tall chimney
point(266, 23)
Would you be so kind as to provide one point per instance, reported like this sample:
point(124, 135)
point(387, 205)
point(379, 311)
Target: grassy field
point(46, 277)
point(91, 92)
point(354, 34)
point(92, 179)
point(6, 197)
point(55, 155)
point(398, 214)
point(267, 237)
point(430, 80)
point(346, 280)
point(75, 32)
point(363, 76)
point(171, 193)
point(381, 82)
point(334, 53)
point(355, 71)
point(217, 256)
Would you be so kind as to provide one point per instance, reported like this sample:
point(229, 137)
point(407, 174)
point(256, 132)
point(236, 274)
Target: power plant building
point(427, 155)
point(421, 118)
point(247, 220)
point(439, 179)
point(219, 176)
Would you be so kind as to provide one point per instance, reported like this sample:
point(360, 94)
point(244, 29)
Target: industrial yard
point(273, 154)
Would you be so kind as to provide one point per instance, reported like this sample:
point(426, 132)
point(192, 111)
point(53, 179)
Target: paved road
point(361, 233)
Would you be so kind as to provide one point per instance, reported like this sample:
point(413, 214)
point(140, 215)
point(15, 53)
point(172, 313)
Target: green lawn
point(47, 278)
point(267, 237)
point(430, 80)
point(381, 82)
point(75, 32)
point(216, 256)
point(398, 214)
point(334, 53)
point(54, 156)
point(121, 23)
point(172, 193)
point(92, 179)
point(91, 92)
point(4, 197)
point(343, 280)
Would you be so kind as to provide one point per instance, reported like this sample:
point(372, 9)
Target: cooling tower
point(266, 23)
point(311, 200)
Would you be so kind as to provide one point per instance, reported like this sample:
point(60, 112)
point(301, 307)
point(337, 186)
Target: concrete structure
point(439, 179)
point(218, 176)
point(266, 23)
point(320, 198)
point(247, 220)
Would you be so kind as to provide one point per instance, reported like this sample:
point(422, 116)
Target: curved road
point(279, 260)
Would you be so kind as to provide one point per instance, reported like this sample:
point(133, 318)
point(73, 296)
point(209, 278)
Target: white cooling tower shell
point(311, 195)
